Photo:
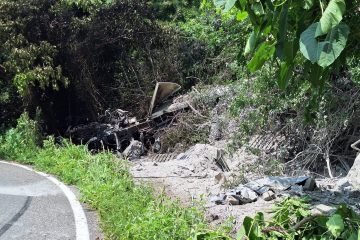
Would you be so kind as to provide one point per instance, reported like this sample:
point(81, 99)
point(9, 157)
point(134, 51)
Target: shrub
point(292, 220)
point(21, 143)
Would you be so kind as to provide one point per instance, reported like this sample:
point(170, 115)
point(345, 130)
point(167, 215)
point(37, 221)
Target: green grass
point(127, 210)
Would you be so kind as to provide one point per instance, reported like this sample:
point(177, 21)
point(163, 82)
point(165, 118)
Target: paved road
point(35, 207)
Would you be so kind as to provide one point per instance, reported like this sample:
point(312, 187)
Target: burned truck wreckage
point(118, 131)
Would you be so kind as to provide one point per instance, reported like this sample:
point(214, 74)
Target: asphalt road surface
point(35, 206)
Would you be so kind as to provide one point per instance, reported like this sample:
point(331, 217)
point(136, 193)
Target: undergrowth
point(292, 220)
point(127, 210)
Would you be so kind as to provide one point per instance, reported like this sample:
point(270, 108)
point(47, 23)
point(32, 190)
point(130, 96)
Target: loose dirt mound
point(189, 176)
point(202, 172)
point(195, 175)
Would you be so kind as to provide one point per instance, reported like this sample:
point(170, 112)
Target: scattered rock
point(297, 190)
point(323, 209)
point(232, 200)
point(342, 182)
point(246, 195)
point(269, 195)
point(268, 188)
point(220, 178)
point(218, 199)
point(309, 185)
point(134, 150)
point(214, 217)
point(348, 189)
point(354, 194)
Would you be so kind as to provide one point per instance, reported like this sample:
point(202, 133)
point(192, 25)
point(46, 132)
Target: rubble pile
point(118, 131)
point(267, 188)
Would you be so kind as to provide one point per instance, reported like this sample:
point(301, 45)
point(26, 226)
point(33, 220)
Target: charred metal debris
point(125, 135)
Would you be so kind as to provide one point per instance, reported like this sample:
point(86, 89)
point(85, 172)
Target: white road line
point(82, 230)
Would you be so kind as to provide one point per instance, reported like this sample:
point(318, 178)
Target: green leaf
point(250, 43)
point(259, 217)
point(334, 44)
point(284, 75)
point(264, 53)
point(251, 228)
point(325, 52)
point(321, 221)
point(290, 50)
point(225, 5)
point(308, 4)
point(353, 236)
point(240, 16)
point(229, 5)
point(243, 3)
point(281, 36)
point(241, 233)
point(246, 228)
point(258, 8)
point(332, 16)
point(219, 3)
point(335, 224)
point(309, 44)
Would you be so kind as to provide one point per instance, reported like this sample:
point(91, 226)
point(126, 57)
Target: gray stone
point(269, 195)
point(296, 188)
point(220, 178)
point(323, 209)
point(348, 189)
point(231, 192)
point(343, 182)
point(134, 150)
point(246, 195)
point(218, 199)
point(232, 200)
point(214, 217)
point(262, 190)
point(309, 185)
point(354, 194)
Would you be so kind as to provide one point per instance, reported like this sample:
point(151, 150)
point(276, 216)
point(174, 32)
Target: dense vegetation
point(292, 219)
point(325, 34)
point(76, 60)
